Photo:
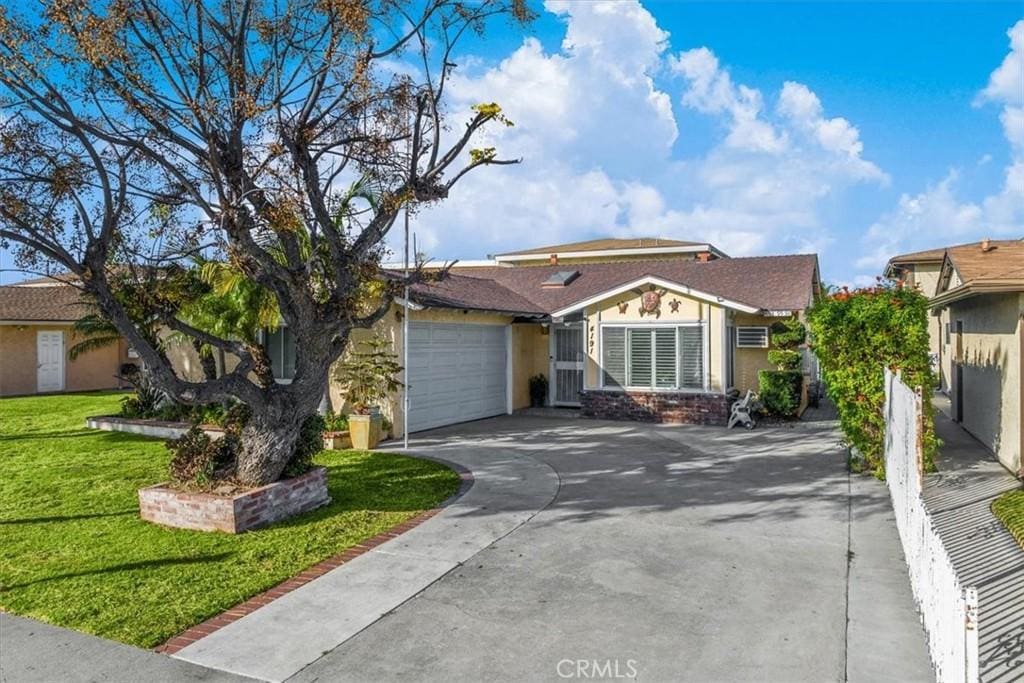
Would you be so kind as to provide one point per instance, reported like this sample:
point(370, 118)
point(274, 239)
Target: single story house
point(645, 329)
point(980, 291)
point(36, 318)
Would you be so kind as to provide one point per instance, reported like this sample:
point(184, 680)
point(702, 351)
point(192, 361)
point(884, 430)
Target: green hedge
point(779, 391)
point(856, 335)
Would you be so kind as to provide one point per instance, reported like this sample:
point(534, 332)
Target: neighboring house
point(980, 292)
point(633, 329)
point(36, 332)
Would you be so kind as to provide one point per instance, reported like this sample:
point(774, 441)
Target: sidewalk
point(959, 497)
point(34, 652)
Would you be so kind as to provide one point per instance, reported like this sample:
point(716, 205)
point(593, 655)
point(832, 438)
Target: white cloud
point(596, 134)
point(711, 91)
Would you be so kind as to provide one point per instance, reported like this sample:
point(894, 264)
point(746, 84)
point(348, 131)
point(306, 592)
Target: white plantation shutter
point(640, 358)
point(665, 358)
point(653, 357)
point(691, 346)
point(613, 356)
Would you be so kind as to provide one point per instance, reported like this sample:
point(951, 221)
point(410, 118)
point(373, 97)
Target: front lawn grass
point(73, 551)
point(1009, 508)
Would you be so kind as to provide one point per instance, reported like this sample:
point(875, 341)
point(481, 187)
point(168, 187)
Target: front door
point(50, 361)
point(566, 364)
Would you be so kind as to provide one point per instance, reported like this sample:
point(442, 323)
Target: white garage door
point(456, 373)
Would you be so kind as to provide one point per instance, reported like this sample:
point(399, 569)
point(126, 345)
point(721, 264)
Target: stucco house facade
point(654, 330)
point(980, 291)
point(36, 331)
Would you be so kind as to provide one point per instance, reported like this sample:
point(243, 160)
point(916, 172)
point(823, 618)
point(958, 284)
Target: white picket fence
point(949, 611)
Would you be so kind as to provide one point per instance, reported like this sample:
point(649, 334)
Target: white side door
point(567, 361)
point(50, 360)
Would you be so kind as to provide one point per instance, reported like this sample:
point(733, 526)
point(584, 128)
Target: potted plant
point(336, 435)
point(538, 390)
point(369, 375)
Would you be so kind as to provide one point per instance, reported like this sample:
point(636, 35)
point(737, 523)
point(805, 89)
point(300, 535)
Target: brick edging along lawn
point(201, 630)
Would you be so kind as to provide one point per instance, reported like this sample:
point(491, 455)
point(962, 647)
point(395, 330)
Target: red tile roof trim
point(215, 623)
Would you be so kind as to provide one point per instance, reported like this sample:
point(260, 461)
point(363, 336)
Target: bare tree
point(282, 136)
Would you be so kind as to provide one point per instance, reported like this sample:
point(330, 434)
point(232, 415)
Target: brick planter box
point(337, 441)
point(236, 513)
point(656, 406)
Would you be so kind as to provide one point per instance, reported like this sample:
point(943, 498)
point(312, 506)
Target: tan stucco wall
point(97, 369)
point(992, 367)
point(749, 362)
point(689, 310)
point(531, 355)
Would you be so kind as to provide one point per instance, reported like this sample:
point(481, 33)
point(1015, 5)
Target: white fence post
point(949, 611)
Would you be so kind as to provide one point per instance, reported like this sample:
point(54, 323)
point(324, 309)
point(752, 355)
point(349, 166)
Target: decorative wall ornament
point(674, 305)
point(650, 301)
point(623, 305)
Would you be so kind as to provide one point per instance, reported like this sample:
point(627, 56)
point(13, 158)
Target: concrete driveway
point(668, 553)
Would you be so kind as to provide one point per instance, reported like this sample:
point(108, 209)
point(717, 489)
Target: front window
point(653, 357)
point(280, 346)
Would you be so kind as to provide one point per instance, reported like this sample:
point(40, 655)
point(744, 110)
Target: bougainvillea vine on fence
point(855, 335)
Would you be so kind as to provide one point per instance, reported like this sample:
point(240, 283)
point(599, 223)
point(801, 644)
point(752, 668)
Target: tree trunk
point(268, 442)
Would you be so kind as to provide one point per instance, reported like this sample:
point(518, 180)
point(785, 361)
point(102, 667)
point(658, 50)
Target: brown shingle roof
point(603, 244)
point(475, 293)
point(928, 255)
point(1003, 261)
point(765, 282)
point(54, 303)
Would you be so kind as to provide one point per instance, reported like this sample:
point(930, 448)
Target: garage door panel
point(456, 373)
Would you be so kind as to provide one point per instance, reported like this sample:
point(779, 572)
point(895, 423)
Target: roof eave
point(512, 257)
point(660, 282)
point(977, 288)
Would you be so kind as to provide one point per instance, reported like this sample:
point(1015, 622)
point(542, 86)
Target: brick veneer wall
point(656, 406)
point(238, 513)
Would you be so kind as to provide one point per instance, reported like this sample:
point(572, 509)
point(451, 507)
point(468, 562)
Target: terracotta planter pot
point(364, 430)
point(337, 441)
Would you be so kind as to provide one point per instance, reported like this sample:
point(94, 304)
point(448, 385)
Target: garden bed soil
point(238, 512)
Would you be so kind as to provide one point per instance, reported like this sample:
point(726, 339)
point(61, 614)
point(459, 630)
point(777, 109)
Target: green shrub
point(309, 443)
point(335, 422)
point(788, 334)
point(785, 359)
point(779, 391)
point(855, 336)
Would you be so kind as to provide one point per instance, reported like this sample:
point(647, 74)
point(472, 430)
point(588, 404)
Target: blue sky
point(856, 130)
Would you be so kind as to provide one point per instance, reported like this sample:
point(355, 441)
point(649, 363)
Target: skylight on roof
point(561, 278)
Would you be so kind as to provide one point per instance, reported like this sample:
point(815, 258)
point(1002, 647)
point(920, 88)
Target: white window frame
point(739, 332)
point(705, 360)
point(264, 342)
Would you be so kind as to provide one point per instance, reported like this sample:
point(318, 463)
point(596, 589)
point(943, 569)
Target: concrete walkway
point(33, 652)
point(281, 638)
point(669, 554)
point(959, 497)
